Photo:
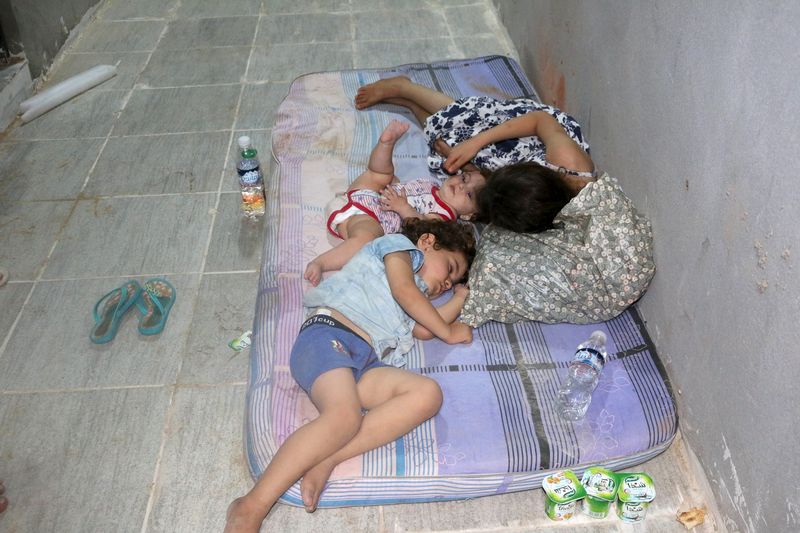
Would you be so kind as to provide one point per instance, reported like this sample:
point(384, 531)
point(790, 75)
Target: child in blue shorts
point(361, 317)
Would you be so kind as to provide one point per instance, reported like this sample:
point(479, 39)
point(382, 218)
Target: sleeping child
point(376, 205)
point(358, 318)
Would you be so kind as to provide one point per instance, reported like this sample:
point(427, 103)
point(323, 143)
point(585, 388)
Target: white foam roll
point(61, 92)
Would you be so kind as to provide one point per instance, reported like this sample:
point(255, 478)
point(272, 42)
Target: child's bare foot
point(394, 131)
point(313, 273)
point(374, 93)
point(3, 499)
point(313, 483)
point(240, 519)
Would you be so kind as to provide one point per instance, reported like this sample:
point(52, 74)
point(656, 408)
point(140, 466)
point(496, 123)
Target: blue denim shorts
point(323, 344)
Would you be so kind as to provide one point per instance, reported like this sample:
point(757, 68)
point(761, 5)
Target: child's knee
point(346, 422)
point(430, 396)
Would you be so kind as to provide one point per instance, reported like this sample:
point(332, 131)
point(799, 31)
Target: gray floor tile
point(288, 519)
point(157, 164)
point(202, 467)
point(468, 21)
point(45, 170)
point(271, 7)
point(285, 62)
point(29, 231)
point(133, 236)
point(87, 115)
point(215, 8)
point(481, 46)
point(129, 65)
point(208, 32)
point(259, 102)
point(405, 24)
point(12, 296)
point(60, 355)
point(304, 28)
point(262, 142)
point(125, 36)
point(80, 461)
point(236, 242)
point(376, 54)
point(224, 311)
point(196, 66)
point(125, 9)
point(384, 5)
point(183, 109)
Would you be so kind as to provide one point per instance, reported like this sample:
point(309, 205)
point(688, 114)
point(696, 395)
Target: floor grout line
point(143, 275)
point(70, 390)
point(168, 412)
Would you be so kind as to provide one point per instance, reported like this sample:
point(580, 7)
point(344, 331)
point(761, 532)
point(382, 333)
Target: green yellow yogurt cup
point(601, 489)
point(563, 492)
point(636, 491)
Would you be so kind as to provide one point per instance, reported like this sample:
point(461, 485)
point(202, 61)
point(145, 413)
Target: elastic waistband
point(326, 320)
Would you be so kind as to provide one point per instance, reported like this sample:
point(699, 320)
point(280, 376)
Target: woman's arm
point(561, 150)
point(408, 296)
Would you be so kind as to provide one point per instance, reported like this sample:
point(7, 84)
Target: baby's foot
point(240, 520)
point(374, 93)
point(394, 131)
point(313, 483)
point(313, 273)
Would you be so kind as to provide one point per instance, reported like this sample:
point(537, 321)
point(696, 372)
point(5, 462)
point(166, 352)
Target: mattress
point(497, 430)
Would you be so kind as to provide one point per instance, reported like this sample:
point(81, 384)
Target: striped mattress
point(497, 430)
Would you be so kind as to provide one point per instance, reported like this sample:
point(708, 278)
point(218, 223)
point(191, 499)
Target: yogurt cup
point(636, 491)
point(563, 492)
point(601, 489)
point(596, 507)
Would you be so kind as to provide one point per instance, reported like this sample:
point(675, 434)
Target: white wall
point(695, 107)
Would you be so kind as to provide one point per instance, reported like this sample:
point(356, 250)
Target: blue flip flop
point(154, 304)
point(115, 303)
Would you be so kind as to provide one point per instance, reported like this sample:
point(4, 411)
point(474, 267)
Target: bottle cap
point(244, 142)
point(598, 337)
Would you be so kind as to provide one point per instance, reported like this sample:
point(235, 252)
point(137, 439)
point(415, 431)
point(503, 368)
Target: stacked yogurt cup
point(595, 492)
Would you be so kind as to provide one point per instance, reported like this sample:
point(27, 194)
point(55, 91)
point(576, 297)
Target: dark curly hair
point(453, 236)
point(524, 197)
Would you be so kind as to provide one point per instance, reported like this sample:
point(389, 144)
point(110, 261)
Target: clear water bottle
point(575, 393)
point(251, 181)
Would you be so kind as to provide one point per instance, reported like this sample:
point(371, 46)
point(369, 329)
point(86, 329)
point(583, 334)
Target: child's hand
point(461, 291)
point(392, 201)
point(460, 333)
point(461, 154)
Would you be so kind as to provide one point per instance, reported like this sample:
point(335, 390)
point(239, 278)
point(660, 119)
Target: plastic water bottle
point(251, 181)
point(575, 393)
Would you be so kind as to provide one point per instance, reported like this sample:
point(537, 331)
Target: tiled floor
point(135, 179)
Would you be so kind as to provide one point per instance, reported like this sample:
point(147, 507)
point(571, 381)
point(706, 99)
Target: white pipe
point(61, 92)
point(100, 71)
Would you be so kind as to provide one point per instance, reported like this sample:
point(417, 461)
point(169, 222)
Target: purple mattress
point(497, 431)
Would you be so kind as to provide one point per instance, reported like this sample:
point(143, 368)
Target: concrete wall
point(40, 27)
point(694, 106)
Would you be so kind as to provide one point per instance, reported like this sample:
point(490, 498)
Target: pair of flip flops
point(153, 300)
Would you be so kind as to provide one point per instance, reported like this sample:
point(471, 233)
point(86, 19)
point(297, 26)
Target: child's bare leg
point(357, 231)
point(398, 401)
point(426, 98)
point(380, 159)
point(335, 395)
